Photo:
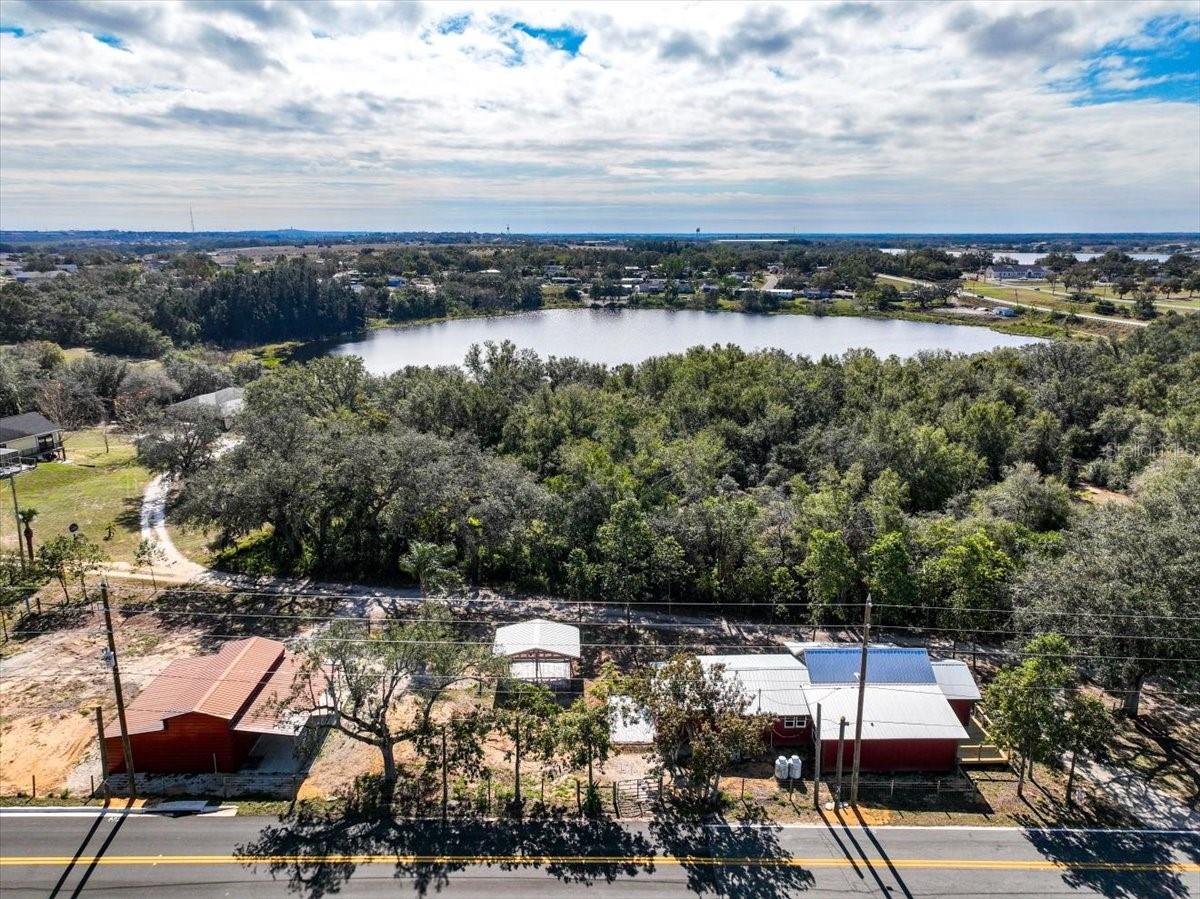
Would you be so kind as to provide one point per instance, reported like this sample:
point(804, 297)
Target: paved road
point(211, 856)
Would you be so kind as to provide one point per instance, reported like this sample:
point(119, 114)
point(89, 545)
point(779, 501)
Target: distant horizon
point(8, 233)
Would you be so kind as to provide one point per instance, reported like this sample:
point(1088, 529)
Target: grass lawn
point(93, 489)
point(1040, 294)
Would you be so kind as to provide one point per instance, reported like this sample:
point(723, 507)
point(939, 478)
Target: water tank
point(781, 768)
point(794, 767)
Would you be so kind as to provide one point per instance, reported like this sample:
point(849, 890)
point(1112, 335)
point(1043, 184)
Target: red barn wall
point(186, 746)
point(778, 735)
point(893, 755)
point(963, 708)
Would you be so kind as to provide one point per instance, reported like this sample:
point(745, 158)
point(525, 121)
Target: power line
point(657, 603)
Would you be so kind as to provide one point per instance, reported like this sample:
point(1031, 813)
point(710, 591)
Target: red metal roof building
point(205, 714)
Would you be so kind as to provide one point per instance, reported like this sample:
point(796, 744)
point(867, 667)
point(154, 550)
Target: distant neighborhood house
point(224, 403)
point(31, 437)
point(1009, 272)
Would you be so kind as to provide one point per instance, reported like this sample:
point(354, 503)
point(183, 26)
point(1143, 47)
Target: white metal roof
point(956, 680)
point(628, 723)
point(900, 712)
point(537, 634)
point(772, 684)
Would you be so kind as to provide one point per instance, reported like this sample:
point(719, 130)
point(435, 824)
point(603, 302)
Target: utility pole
point(116, 672)
point(837, 796)
point(862, 695)
point(103, 749)
point(817, 761)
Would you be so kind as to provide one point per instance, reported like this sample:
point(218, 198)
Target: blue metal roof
point(885, 665)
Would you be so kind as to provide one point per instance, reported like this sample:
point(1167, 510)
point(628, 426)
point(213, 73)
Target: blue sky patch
point(454, 24)
point(14, 30)
point(566, 39)
point(1161, 63)
point(111, 39)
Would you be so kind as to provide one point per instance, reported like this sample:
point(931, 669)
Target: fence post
point(578, 799)
point(33, 789)
point(616, 803)
point(892, 792)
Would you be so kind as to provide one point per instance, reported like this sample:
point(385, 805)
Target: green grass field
point(93, 489)
point(1040, 294)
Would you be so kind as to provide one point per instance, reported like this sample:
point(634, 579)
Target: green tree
point(829, 573)
point(147, 554)
point(528, 718)
point(180, 441)
point(702, 722)
point(583, 737)
point(1126, 583)
point(891, 577)
point(626, 546)
point(381, 687)
point(68, 558)
point(989, 427)
point(970, 577)
point(26, 517)
point(1024, 703)
point(1088, 727)
point(429, 564)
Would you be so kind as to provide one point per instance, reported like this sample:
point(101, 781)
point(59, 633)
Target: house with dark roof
point(32, 437)
point(206, 715)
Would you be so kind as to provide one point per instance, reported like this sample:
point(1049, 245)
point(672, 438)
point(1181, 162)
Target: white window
point(796, 723)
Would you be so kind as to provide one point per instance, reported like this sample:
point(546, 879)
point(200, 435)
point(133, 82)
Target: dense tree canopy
point(715, 475)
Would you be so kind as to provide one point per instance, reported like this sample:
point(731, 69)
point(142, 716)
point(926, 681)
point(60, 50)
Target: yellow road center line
point(666, 860)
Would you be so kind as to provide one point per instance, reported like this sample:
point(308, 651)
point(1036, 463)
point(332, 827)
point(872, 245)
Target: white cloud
point(893, 116)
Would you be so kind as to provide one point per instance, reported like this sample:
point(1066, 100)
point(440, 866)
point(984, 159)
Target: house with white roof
point(909, 722)
point(774, 685)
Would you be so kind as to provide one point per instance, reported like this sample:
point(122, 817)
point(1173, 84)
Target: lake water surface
point(631, 335)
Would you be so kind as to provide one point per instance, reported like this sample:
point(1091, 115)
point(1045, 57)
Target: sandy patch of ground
point(49, 690)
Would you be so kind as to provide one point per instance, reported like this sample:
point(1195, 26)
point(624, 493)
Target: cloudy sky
point(885, 116)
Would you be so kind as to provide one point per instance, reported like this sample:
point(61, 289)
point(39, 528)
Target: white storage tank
point(781, 768)
point(795, 764)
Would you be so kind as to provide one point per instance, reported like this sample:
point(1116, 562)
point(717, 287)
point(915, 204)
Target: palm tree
point(27, 516)
point(428, 562)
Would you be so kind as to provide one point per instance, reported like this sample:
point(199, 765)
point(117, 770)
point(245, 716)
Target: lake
point(616, 336)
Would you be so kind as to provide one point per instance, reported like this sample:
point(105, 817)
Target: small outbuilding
point(539, 650)
point(206, 715)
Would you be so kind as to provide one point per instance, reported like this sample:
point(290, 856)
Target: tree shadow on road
point(742, 859)
point(320, 851)
point(1118, 863)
